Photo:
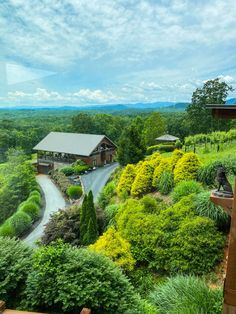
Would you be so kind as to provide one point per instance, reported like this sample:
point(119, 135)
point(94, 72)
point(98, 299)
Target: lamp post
point(229, 205)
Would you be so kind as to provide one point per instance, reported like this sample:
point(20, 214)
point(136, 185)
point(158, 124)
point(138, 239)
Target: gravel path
point(97, 179)
point(54, 201)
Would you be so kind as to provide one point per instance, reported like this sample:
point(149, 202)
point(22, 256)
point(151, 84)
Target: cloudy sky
point(113, 51)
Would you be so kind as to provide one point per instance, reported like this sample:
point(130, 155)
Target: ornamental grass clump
point(74, 192)
point(164, 165)
point(185, 188)
point(205, 207)
point(186, 295)
point(187, 168)
point(166, 182)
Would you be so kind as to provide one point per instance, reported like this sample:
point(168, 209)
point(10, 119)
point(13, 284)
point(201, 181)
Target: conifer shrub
point(165, 165)
point(126, 179)
point(186, 294)
point(20, 222)
point(143, 180)
point(114, 246)
point(166, 182)
point(35, 192)
point(155, 159)
point(15, 265)
point(175, 157)
point(165, 241)
point(151, 205)
point(74, 192)
point(204, 207)
point(35, 199)
point(185, 188)
point(65, 279)
point(31, 209)
point(186, 168)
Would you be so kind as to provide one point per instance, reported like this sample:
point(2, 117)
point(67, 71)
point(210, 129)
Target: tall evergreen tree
point(154, 127)
point(130, 148)
point(88, 223)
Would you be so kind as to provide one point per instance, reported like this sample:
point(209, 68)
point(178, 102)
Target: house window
point(94, 162)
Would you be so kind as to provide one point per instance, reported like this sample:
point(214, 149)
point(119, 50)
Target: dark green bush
point(207, 173)
point(31, 209)
point(166, 182)
point(20, 222)
point(74, 192)
point(205, 207)
point(65, 279)
point(7, 230)
point(185, 188)
point(67, 170)
point(15, 265)
point(186, 295)
point(64, 225)
point(81, 169)
point(166, 148)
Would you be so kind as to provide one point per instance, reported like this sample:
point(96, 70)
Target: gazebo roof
point(167, 138)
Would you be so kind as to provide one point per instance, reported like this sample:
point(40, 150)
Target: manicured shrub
point(64, 225)
point(204, 207)
point(165, 165)
point(186, 168)
point(152, 149)
point(166, 182)
point(80, 169)
point(143, 180)
point(198, 238)
point(185, 188)
point(165, 241)
point(35, 192)
point(74, 192)
point(65, 279)
point(166, 147)
point(106, 194)
point(126, 179)
point(20, 222)
point(7, 230)
point(31, 209)
point(186, 294)
point(151, 205)
point(67, 170)
point(15, 265)
point(35, 199)
point(155, 159)
point(207, 173)
point(175, 157)
point(114, 246)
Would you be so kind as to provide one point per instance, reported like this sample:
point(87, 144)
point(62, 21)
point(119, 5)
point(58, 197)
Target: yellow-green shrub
point(155, 159)
point(175, 157)
point(114, 246)
point(165, 165)
point(126, 179)
point(143, 180)
point(187, 167)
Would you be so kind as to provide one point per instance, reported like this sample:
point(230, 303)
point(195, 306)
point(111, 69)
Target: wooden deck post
point(229, 306)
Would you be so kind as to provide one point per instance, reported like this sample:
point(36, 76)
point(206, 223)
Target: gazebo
point(167, 138)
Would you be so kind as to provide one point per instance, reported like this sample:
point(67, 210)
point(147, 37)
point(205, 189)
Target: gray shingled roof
point(167, 138)
point(70, 143)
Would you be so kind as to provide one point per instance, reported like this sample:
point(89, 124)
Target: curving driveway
point(97, 179)
point(54, 201)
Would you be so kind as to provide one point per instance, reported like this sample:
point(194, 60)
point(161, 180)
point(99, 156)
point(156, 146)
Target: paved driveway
point(97, 179)
point(54, 201)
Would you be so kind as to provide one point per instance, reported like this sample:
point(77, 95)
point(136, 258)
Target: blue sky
point(113, 51)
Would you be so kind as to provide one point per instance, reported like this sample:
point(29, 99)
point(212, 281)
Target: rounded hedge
point(35, 192)
point(35, 199)
point(20, 222)
point(15, 265)
point(74, 192)
point(31, 209)
point(186, 168)
point(68, 170)
point(66, 279)
point(7, 230)
point(186, 295)
point(185, 188)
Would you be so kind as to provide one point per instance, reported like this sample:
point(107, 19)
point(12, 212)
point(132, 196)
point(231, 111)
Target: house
point(94, 150)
